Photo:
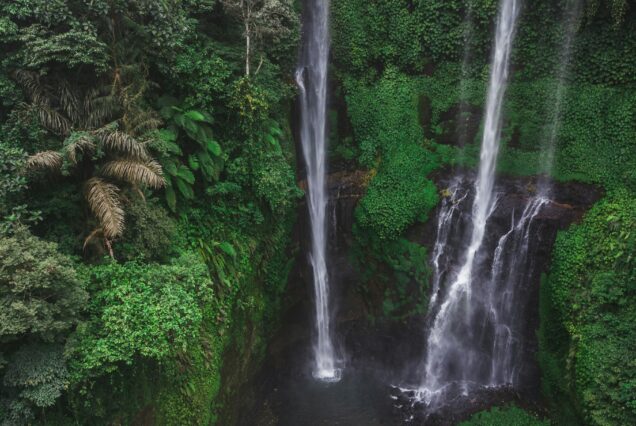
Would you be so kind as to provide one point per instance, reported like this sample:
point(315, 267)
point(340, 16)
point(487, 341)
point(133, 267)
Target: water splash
point(311, 77)
point(450, 355)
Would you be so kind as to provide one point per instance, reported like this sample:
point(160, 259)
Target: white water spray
point(311, 77)
point(444, 340)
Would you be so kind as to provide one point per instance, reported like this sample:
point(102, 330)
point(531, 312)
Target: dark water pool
point(357, 399)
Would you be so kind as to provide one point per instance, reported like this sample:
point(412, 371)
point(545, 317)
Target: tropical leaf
point(69, 102)
point(51, 160)
point(171, 168)
point(193, 162)
point(142, 122)
point(99, 108)
point(103, 200)
point(146, 173)
point(214, 147)
point(184, 188)
point(194, 115)
point(227, 248)
point(207, 165)
point(186, 174)
point(272, 140)
point(31, 82)
point(275, 130)
point(171, 197)
point(167, 135)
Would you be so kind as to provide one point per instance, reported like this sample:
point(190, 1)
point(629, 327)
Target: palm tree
point(105, 138)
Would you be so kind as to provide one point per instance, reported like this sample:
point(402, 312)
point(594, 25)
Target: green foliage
point(399, 194)
point(203, 71)
point(40, 299)
point(399, 268)
point(596, 142)
point(36, 377)
point(40, 293)
point(95, 104)
point(139, 309)
point(151, 234)
point(507, 416)
point(76, 34)
point(187, 146)
point(13, 184)
point(76, 47)
point(400, 66)
point(386, 127)
point(592, 288)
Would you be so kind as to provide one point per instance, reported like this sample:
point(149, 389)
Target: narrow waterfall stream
point(452, 359)
point(311, 77)
point(572, 15)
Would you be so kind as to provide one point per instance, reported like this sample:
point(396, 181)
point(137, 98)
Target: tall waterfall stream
point(454, 358)
point(311, 78)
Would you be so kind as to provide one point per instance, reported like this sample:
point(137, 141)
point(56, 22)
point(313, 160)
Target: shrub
point(507, 416)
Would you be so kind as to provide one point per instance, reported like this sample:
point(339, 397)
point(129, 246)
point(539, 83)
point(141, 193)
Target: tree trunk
point(247, 41)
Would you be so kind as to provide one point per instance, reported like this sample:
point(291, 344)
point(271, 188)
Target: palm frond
point(78, 143)
point(52, 119)
point(103, 200)
point(69, 102)
point(31, 83)
point(51, 160)
point(146, 173)
point(121, 142)
point(99, 108)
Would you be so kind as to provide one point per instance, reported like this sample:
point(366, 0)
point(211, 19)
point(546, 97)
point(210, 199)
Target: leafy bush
point(386, 127)
point(137, 309)
point(41, 297)
point(12, 188)
point(40, 292)
point(399, 194)
point(508, 416)
point(152, 235)
point(35, 377)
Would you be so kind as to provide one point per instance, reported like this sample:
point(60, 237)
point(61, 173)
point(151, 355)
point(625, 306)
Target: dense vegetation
point(405, 72)
point(147, 190)
point(147, 200)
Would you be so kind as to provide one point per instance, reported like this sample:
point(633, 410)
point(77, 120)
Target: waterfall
point(510, 270)
point(462, 122)
point(311, 77)
point(572, 15)
point(451, 354)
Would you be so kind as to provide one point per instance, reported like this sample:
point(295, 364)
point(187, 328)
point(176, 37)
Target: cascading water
point(311, 77)
point(571, 18)
point(510, 270)
point(453, 357)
